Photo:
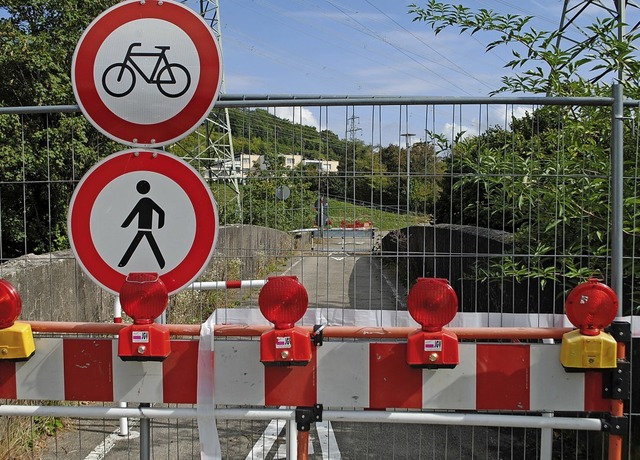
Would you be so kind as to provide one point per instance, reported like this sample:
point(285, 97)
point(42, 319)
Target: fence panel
point(510, 200)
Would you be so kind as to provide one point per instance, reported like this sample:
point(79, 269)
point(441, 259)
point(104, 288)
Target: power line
point(377, 36)
point(455, 65)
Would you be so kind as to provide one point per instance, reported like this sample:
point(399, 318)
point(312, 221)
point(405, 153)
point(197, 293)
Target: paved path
point(344, 273)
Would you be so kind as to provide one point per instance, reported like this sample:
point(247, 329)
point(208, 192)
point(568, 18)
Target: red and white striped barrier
point(230, 284)
point(513, 377)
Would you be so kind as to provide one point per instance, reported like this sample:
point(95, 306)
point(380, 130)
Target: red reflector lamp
point(433, 303)
point(143, 297)
point(16, 339)
point(283, 301)
point(591, 307)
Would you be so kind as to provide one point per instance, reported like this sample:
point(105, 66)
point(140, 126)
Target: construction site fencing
point(514, 201)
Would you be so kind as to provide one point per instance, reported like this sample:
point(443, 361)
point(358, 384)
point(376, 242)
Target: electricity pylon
point(572, 31)
point(215, 154)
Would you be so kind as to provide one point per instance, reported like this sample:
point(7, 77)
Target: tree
point(37, 40)
point(374, 177)
point(424, 173)
point(260, 203)
point(578, 69)
point(545, 178)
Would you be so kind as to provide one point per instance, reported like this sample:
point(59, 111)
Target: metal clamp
point(317, 337)
point(305, 416)
point(620, 331)
point(615, 425)
point(616, 382)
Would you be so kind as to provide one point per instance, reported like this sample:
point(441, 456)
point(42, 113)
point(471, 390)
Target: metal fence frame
point(617, 104)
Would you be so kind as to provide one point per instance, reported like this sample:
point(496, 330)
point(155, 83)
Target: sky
point(359, 47)
point(366, 47)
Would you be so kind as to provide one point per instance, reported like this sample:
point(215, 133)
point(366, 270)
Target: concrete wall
point(53, 287)
point(455, 252)
point(253, 246)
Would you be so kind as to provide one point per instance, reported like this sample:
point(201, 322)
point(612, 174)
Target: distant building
point(324, 166)
point(242, 165)
point(248, 161)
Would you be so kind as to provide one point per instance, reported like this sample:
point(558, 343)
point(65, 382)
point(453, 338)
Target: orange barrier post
point(303, 445)
point(617, 410)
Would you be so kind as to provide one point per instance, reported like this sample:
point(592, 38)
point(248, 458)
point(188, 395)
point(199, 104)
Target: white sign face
point(146, 73)
point(142, 211)
point(121, 215)
point(151, 61)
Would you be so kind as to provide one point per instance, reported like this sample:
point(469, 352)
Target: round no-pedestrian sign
point(147, 73)
point(142, 211)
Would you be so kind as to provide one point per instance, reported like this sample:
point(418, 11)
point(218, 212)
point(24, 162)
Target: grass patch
point(192, 306)
point(382, 220)
point(23, 437)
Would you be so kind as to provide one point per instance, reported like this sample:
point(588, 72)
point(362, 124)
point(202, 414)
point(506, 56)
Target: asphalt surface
point(345, 273)
point(178, 439)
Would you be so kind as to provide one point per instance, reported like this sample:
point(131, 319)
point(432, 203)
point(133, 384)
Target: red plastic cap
point(144, 297)
point(10, 304)
point(432, 303)
point(591, 306)
point(283, 300)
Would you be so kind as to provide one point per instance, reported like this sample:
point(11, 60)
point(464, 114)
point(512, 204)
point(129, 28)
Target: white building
point(244, 163)
point(324, 166)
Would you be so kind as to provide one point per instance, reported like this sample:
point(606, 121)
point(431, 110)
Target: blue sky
point(365, 47)
point(368, 47)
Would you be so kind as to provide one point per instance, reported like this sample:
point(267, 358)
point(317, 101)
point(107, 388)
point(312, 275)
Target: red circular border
point(169, 130)
point(116, 165)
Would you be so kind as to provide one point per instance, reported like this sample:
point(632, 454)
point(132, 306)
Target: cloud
point(497, 115)
point(297, 115)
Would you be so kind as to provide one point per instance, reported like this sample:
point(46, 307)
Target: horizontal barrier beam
point(493, 420)
point(231, 284)
point(296, 100)
point(357, 374)
point(344, 332)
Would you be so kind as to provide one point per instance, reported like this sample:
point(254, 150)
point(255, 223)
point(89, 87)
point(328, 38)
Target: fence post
point(145, 435)
point(546, 440)
point(617, 171)
point(292, 438)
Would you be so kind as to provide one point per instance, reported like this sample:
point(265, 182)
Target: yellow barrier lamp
point(591, 307)
point(16, 339)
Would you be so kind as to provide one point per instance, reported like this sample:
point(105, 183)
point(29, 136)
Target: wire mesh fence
point(512, 201)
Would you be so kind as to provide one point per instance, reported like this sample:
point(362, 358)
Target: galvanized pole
point(546, 440)
point(408, 137)
point(617, 171)
point(292, 438)
point(145, 435)
point(616, 441)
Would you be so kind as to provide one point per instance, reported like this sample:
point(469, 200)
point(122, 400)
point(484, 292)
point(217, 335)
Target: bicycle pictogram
point(172, 79)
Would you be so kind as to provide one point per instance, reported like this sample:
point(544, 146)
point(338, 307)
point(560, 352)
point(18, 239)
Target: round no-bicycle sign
point(146, 73)
point(142, 211)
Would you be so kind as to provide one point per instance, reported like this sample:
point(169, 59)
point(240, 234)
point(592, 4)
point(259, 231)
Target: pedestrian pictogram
point(142, 211)
point(147, 73)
